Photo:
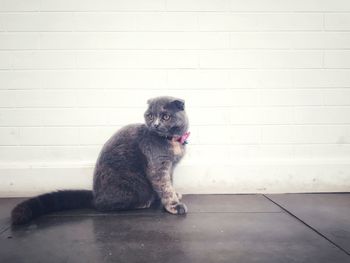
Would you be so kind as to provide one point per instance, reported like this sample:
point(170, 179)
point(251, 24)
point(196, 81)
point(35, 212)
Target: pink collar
point(182, 139)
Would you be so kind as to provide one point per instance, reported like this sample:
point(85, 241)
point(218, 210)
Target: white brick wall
point(266, 82)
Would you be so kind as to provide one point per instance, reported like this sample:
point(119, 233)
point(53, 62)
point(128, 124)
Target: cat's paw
point(176, 209)
point(181, 209)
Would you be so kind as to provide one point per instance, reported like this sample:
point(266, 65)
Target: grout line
point(281, 124)
point(306, 224)
point(224, 49)
point(166, 10)
point(191, 89)
point(286, 70)
point(192, 144)
point(211, 107)
point(181, 31)
point(4, 229)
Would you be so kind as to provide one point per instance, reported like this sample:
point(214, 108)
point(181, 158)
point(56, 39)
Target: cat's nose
point(156, 123)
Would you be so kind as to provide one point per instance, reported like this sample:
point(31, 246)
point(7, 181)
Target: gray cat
point(134, 169)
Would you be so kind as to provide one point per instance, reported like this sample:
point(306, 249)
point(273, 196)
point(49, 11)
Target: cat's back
point(128, 134)
point(123, 145)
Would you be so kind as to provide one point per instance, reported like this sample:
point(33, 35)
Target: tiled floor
point(218, 228)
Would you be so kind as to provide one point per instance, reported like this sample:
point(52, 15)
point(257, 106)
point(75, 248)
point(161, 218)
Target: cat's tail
point(50, 202)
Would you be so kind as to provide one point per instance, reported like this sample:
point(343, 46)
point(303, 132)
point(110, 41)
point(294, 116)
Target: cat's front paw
point(176, 209)
point(181, 209)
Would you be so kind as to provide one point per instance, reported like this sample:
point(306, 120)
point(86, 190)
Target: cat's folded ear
point(177, 105)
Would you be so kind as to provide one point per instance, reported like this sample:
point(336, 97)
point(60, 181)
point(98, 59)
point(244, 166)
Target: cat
point(134, 169)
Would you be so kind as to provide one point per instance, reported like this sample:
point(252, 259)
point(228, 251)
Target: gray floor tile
point(200, 204)
point(327, 213)
point(219, 228)
point(207, 203)
point(229, 203)
point(6, 205)
point(201, 237)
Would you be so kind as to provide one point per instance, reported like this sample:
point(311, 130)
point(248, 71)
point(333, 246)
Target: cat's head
point(166, 116)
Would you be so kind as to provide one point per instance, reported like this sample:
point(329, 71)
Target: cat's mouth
point(160, 131)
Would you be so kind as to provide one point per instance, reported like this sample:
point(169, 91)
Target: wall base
point(262, 176)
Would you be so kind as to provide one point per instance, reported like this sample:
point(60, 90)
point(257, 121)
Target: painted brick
point(261, 115)
point(134, 40)
point(278, 134)
point(20, 117)
point(5, 60)
point(276, 151)
point(121, 79)
point(43, 60)
point(207, 135)
point(136, 59)
point(261, 78)
point(37, 21)
point(204, 153)
point(19, 5)
point(197, 5)
point(14, 41)
point(245, 134)
point(37, 98)
point(337, 59)
point(83, 79)
point(315, 151)
point(20, 79)
point(30, 154)
point(9, 136)
point(322, 115)
point(135, 22)
point(7, 98)
point(336, 97)
point(292, 97)
point(106, 5)
point(337, 21)
point(95, 135)
point(209, 116)
point(198, 79)
point(285, 5)
point(49, 136)
point(260, 22)
point(261, 59)
point(290, 40)
point(309, 134)
point(322, 78)
point(288, 78)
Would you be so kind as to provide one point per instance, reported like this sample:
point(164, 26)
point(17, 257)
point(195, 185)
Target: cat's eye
point(150, 116)
point(166, 117)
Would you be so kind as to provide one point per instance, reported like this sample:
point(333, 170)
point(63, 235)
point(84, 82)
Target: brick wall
point(266, 82)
